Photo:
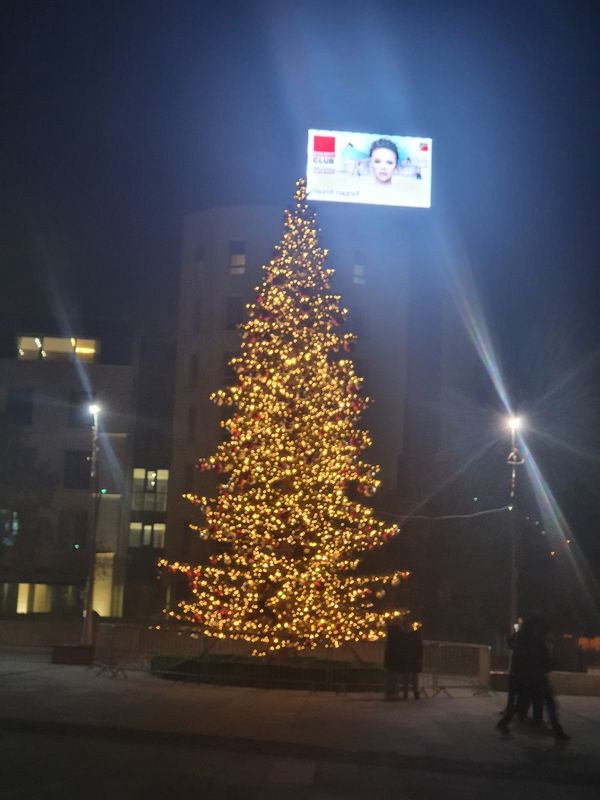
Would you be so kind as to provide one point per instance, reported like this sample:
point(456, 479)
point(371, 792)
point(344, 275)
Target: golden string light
point(291, 538)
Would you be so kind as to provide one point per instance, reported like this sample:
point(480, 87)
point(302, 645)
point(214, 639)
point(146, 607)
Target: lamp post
point(87, 633)
point(514, 460)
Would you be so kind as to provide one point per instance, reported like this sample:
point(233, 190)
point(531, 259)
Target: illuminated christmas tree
point(291, 538)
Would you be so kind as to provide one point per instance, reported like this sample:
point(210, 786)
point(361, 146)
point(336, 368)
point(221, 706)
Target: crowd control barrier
point(447, 666)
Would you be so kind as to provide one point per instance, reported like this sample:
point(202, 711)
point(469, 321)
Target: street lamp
point(514, 460)
point(87, 633)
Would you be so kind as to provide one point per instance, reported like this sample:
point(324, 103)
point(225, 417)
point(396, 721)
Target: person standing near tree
point(413, 664)
point(403, 659)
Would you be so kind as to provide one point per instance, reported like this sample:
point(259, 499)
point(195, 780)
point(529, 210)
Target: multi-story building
point(150, 477)
point(378, 265)
point(45, 391)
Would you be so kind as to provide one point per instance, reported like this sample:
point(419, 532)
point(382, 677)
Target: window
point(135, 534)
point(28, 348)
point(79, 415)
point(147, 535)
point(34, 598)
point(19, 405)
point(234, 312)
point(193, 370)
point(9, 527)
point(76, 473)
point(158, 534)
point(359, 271)
point(34, 347)
point(237, 258)
point(149, 489)
point(358, 275)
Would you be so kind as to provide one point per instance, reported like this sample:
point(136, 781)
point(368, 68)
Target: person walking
point(528, 679)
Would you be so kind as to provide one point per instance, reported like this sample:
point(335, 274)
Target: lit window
point(237, 258)
point(23, 598)
point(158, 539)
point(56, 347)
point(42, 598)
point(29, 347)
point(147, 535)
point(151, 480)
point(85, 349)
point(135, 534)
point(149, 489)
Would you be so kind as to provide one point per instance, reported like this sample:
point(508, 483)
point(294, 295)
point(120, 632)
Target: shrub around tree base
point(299, 673)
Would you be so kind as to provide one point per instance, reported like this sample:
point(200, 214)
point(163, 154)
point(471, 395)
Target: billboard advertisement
point(374, 168)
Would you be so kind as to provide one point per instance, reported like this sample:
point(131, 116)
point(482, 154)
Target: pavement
point(294, 739)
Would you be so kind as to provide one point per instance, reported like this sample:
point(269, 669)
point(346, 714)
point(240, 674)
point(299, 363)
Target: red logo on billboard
point(325, 145)
point(424, 147)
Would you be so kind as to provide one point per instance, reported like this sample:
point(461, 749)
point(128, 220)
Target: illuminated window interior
point(237, 258)
point(149, 489)
point(147, 534)
point(30, 348)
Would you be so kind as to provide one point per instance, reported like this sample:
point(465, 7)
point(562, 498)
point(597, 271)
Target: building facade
point(223, 251)
point(45, 391)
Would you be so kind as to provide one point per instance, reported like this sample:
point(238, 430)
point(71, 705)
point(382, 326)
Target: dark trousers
point(393, 679)
point(537, 692)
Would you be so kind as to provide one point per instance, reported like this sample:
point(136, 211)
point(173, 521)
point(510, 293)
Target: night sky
point(120, 117)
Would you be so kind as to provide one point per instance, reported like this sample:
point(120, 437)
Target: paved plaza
point(259, 743)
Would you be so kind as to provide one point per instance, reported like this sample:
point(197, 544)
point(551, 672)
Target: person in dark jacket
point(529, 669)
point(403, 659)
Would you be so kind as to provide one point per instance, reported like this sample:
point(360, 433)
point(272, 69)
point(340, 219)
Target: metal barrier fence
point(446, 665)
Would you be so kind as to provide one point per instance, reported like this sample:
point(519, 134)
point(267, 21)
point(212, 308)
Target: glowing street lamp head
point(515, 423)
point(94, 409)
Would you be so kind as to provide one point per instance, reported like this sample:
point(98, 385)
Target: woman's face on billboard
point(383, 164)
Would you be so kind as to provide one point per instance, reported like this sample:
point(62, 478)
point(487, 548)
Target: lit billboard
point(372, 168)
